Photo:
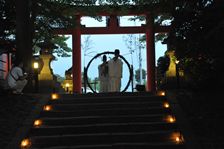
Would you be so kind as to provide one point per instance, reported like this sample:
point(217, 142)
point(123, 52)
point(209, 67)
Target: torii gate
point(113, 28)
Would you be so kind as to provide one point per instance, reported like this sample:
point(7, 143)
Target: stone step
point(104, 112)
point(103, 138)
point(142, 145)
point(102, 128)
point(111, 94)
point(82, 120)
point(109, 107)
point(109, 99)
point(106, 105)
point(106, 120)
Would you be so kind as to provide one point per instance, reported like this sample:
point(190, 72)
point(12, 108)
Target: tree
point(196, 38)
point(34, 21)
point(7, 18)
point(86, 46)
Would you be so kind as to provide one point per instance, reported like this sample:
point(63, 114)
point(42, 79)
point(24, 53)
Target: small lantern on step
point(25, 143)
point(48, 108)
point(161, 93)
point(54, 96)
point(170, 119)
point(177, 137)
point(37, 123)
point(166, 105)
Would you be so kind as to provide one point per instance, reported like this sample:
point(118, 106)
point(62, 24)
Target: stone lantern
point(46, 77)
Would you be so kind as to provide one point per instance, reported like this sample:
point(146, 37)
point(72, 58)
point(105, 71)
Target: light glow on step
point(37, 123)
point(177, 137)
point(54, 96)
point(161, 93)
point(166, 105)
point(48, 108)
point(170, 119)
point(25, 143)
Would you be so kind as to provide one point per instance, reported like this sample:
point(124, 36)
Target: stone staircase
point(103, 121)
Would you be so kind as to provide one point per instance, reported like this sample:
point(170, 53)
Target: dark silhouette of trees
point(196, 37)
point(163, 64)
point(7, 17)
point(30, 22)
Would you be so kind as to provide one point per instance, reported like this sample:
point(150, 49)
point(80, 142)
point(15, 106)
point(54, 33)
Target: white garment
point(103, 77)
point(13, 79)
point(115, 68)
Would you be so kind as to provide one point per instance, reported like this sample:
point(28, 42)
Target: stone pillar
point(150, 53)
point(76, 57)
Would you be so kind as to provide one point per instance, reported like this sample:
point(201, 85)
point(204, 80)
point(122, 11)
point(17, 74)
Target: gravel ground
point(14, 109)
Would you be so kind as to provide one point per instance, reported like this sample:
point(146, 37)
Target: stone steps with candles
point(103, 121)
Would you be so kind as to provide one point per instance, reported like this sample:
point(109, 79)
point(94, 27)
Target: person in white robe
point(103, 75)
point(115, 68)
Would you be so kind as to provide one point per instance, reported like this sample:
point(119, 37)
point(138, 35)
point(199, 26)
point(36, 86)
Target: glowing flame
point(166, 105)
point(67, 85)
point(54, 96)
point(48, 108)
point(177, 137)
point(35, 65)
point(37, 123)
point(25, 144)
point(161, 93)
point(170, 119)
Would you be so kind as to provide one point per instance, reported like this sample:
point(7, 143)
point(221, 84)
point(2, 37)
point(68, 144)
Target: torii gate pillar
point(150, 53)
point(76, 57)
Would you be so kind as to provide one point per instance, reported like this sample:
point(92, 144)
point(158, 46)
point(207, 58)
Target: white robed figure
point(115, 68)
point(103, 75)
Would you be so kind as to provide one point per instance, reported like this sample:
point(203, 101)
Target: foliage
point(7, 18)
point(197, 39)
point(163, 64)
point(46, 15)
point(7, 27)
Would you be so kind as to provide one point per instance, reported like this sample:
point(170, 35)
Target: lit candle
point(170, 119)
point(47, 108)
point(25, 144)
point(161, 93)
point(54, 96)
point(38, 123)
point(166, 105)
point(177, 137)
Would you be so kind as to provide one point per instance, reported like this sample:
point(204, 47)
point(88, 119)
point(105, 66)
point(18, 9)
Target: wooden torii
point(113, 28)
